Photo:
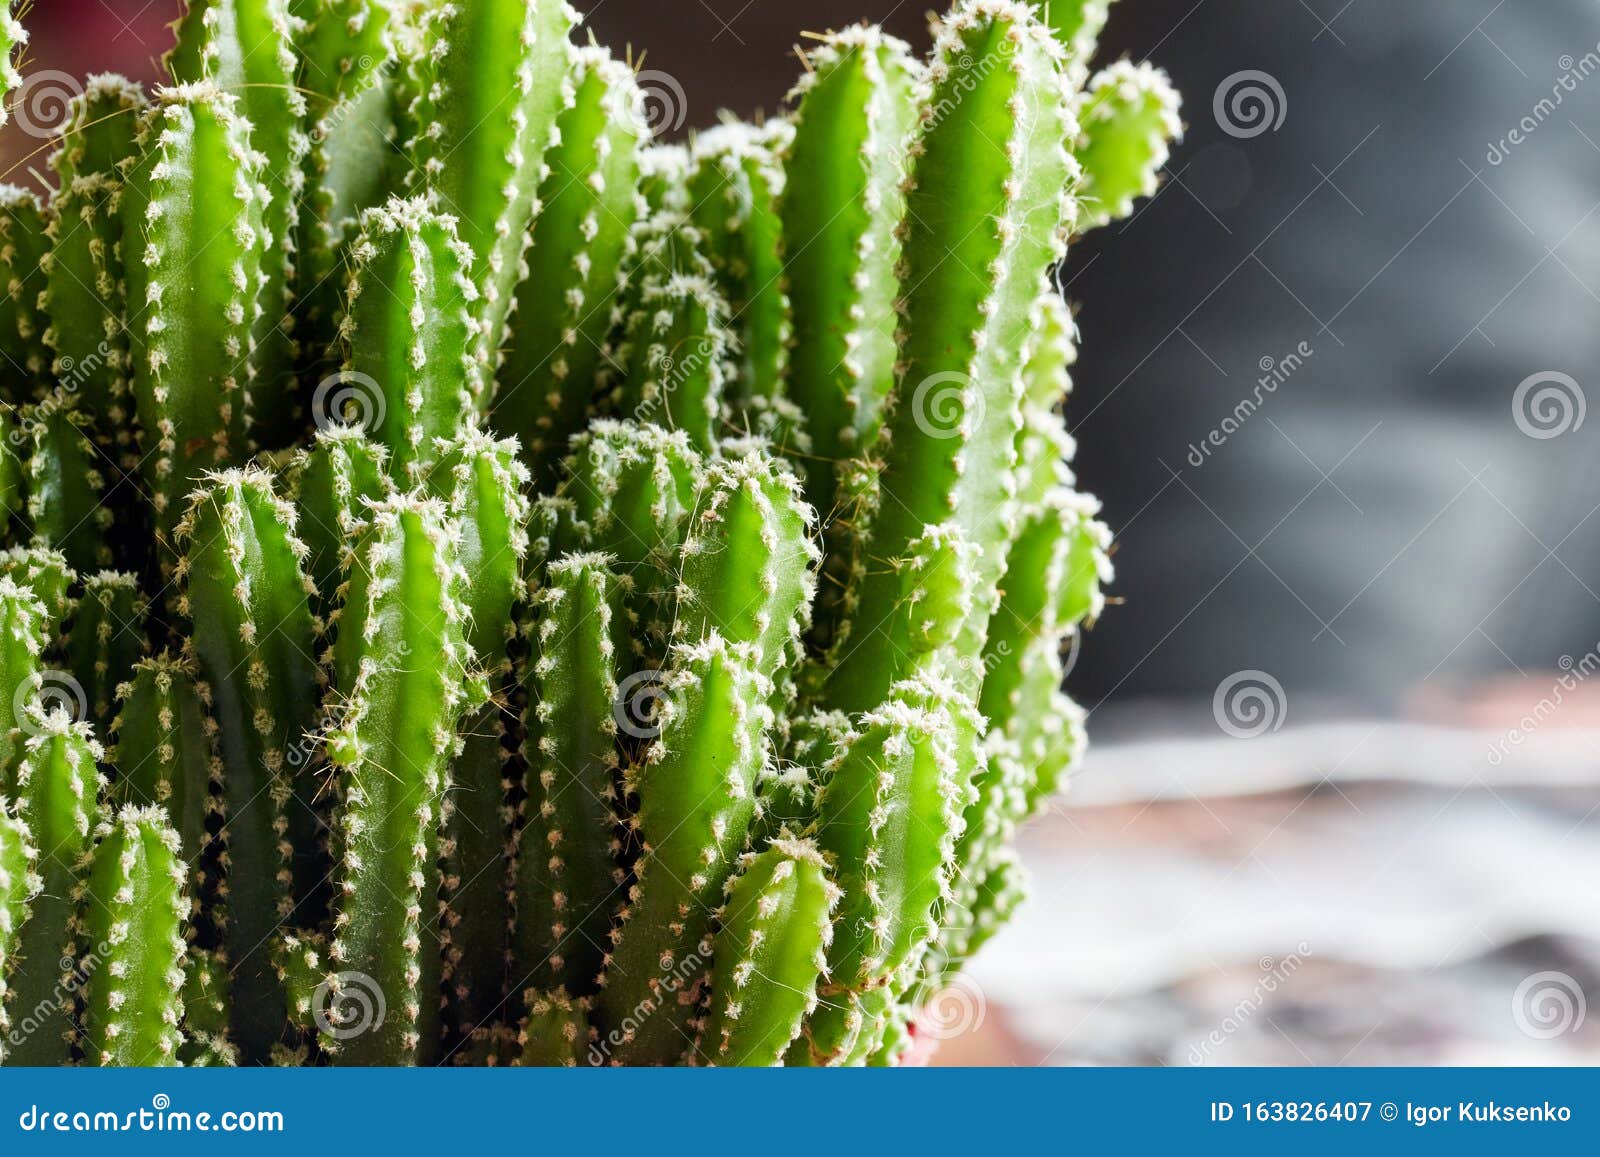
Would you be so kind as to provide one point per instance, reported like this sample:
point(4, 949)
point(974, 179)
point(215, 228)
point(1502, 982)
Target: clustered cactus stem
point(483, 586)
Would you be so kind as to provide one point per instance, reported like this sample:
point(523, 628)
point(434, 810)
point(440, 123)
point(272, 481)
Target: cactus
point(12, 37)
point(409, 333)
point(552, 598)
point(246, 47)
point(57, 789)
point(134, 904)
point(84, 279)
point(24, 242)
point(770, 953)
point(404, 676)
point(19, 885)
point(193, 246)
point(588, 204)
point(490, 82)
point(246, 594)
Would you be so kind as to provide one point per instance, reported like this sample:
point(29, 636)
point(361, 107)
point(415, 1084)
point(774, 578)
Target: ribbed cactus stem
point(581, 242)
point(411, 355)
point(13, 490)
point(491, 79)
point(67, 482)
point(556, 1032)
point(856, 101)
point(207, 1007)
point(770, 953)
point(889, 815)
point(696, 791)
point(24, 243)
point(332, 482)
point(107, 636)
point(133, 910)
point(391, 742)
point(1129, 119)
point(1044, 448)
point(631, 489)
point(734, 185)
point(19, 884)
point(194, 243)
point(166, 755)
point(345, 50)
point(25, 631)
point(57, 790)
point(482, 480)
point(12, 37)
point(246, 47)
point(676, 357)
point(247, 597)
point(84, 286)
point(663, 175)
point(985, 220)
point(1077, 24)
point(747, 559)
point(568, 881)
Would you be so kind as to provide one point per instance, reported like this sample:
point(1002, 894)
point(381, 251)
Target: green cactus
point(252, 639)
point(133, 909)
point(696, 790)
point(555, 598)
point(20, 883)
point(588, 203)
point(490, 82)
point(24, 242)
point(166, 756)
point(84, 280)
point(985, 220)
point(107, 636)
point(411, 363)
point(246, 47)
point(770, 953)
point(194, 240)
point(857, 99)
point(12, 37)
point(405, 677)
point(57, 789)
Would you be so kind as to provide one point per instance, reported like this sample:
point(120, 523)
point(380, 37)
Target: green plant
point(551, 598)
